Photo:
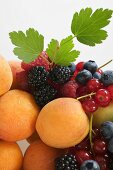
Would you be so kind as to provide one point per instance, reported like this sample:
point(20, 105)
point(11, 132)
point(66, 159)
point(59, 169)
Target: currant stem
point(90, 130)
point(105, 64)
point(87, 95)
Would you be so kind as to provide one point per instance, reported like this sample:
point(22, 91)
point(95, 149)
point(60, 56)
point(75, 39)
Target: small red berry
point(69, 89)
point(82, 90)
point(74, 75)
point(89, 106)
point(102, 97)
point(100, 147)
point(80, 66)
point(41, 60)
point(85, 144)
point(99, 71)
point(82, 156)
point(102, 162)
point(93, 85)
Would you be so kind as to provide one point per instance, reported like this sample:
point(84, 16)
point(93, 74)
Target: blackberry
point(44, 94)
point(60, 74)
point(66, 162)
point(37, 76)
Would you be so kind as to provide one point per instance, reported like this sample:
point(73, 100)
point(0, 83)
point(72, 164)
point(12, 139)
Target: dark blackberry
point(44, 94)
point(37, 76)
point(60, 74)
point(66, 162)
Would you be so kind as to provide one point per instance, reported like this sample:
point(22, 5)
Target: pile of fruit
point(62, 108)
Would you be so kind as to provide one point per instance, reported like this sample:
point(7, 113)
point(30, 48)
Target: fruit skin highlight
point(39, 156)
point(18, 114)
point(62, 123)
point(6, 77)
point(11, 157)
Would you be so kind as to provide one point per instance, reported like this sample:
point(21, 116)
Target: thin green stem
point(90, 130)
point(105, 64)
point(87, 95)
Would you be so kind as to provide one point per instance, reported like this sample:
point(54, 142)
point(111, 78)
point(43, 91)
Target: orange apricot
point(18, 114)
point(6, 77)
point(11, 157)
point(62, 123)
point(40, 156)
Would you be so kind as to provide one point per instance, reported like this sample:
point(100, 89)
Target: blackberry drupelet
point(44, 94)
point(37, 76)
point(60, 74)
point(66, 162)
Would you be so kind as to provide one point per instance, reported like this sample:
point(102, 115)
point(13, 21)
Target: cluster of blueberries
point(90, 71)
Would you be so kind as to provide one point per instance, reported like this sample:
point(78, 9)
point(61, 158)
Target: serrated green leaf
point(28, 46)
point(62, 54)
point(52, 49)
point(87, 26)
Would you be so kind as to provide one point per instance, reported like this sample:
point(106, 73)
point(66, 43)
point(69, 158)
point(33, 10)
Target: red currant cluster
point(98, 152)
point(100, 94)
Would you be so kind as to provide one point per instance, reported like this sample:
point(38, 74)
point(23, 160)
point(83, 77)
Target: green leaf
point(87, 26)
point(28, 46)
point(63, 53)
point(52, 49)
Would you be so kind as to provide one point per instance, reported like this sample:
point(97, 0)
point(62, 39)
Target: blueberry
point(91, 66)
point(83, 77)
point(90, 165)
point(107, 130)
point(72, 67)
point(97, 75)
point(107, 77)
point(110, 145)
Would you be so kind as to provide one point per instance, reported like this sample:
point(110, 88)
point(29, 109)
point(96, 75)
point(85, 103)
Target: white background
point(52, 18)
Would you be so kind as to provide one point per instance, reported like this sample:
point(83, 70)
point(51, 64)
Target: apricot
point(15, 68)
point(11, 157)
point(39, 156)
point(62, 123)
point(34, 137)
point(18, 114)
point(6, 77)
